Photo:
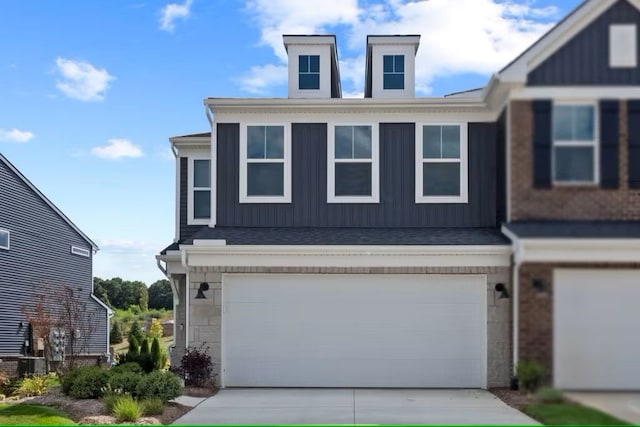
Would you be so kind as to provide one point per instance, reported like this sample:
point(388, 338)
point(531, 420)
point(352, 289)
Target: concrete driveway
point(353, 406)
point(622, 405)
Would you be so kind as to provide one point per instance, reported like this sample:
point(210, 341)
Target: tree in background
point(118, 293)
point(115, 336)
point(155, 330)
point(160, 295)
point(136, 332)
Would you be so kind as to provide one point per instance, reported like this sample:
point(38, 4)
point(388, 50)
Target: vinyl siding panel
point(39, 262)
point(584, 60)
point(397, 207)
point(501, 169)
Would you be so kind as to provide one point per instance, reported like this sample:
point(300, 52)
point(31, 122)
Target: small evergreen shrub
point(126, 409)
point(127, 367)
point(89, 383)
point(134, 347)
point(163, 385)
point(153, 406)
point(196, 367)
point(33, 386)
point(67, 379)
point(136, 332)
point(115, 336)
point(159, 355)
point(124, 382)
point(549, 395)
point(530, 375)
point(144, 347)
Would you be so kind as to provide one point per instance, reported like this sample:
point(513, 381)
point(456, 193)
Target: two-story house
point(41, 253)
point(395, 241)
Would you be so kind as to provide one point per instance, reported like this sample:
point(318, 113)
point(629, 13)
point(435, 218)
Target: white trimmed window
point(575, 143)
point(441, 163)
point(5, 239)
point(199, 200)
point(623, 46)
point(265, 164)
point(353, 164)
point(83, 252)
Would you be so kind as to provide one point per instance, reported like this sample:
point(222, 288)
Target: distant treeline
point(118, 293)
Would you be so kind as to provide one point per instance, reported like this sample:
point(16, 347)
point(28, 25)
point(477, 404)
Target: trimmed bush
point(163, 385)
point(67, 379)
point(134, 347)
point(152, 406)
point(196, 367)
point(125, 409)
point(33, 386)
point(89, 383)
point(549, 395)
point(127, 367)
point(125, 382)
point(144, 347)
point(530, 375)
point(135, 332)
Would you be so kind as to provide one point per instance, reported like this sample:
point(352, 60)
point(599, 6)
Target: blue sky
point(91, 91)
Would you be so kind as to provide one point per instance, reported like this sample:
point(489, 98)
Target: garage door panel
point(339, 330)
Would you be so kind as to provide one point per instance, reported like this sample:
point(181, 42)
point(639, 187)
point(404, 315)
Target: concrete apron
point(622, 405)
point(353, 406)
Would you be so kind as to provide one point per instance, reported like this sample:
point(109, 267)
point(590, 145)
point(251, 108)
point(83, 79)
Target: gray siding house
point(41, 251)
point(399, 241)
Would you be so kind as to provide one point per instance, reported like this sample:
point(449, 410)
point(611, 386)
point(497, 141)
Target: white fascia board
point(331, 103)
point(576, 93)
point(105, 306)
point(348, 256)
point(308, 40)
point(410, 39)
point(578, 250)
point(173, 262)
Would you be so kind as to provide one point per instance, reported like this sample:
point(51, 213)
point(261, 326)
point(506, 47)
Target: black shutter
point(542, 144)
point(634, 143)
point(609, 144)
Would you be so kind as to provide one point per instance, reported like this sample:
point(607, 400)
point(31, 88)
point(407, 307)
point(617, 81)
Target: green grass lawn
point(569, 413)
point(23, 414)
point(124, 345)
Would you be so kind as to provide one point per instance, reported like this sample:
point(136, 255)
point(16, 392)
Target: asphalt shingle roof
point(576, 229)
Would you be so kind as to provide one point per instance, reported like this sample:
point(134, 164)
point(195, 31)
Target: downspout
point(183, 256)
point(517, 263)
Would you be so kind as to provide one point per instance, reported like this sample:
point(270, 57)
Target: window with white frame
point(265, 165)
point(353, 164)
point(83, 252)
point(441, 163)
point(199, 191)
point(309, 72)
point(393, 72)
point(5, 237)
point(575, 146)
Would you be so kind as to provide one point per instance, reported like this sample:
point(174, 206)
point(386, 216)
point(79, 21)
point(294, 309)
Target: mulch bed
point(514, 398)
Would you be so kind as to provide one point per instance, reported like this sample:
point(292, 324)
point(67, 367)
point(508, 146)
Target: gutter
point(517, 262)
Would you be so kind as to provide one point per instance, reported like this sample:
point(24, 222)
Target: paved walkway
point(353, 406)
point(622, 405)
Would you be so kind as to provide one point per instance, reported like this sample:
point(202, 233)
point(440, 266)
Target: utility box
point(31, 366)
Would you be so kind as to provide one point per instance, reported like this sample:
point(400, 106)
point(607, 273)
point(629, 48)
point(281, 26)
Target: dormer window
point(309, 72)
point(393, 66)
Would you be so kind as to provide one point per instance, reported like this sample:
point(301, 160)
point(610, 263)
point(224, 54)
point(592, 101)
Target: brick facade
point(564, 202)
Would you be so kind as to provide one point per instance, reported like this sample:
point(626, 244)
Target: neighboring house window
point(623, 46)
point(309, 72)
point(199, 191)
point(441, 164)
point(353, 164)
point(575, 147)
point(393, 71)
point(4, 239)
point(80, 251)
point(265, 166)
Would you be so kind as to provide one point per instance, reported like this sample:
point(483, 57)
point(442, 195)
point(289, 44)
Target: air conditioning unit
point(31, 366)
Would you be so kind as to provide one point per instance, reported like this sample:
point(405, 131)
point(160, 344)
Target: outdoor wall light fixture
point(539, 286)
point(502, 289)
point(204, 286)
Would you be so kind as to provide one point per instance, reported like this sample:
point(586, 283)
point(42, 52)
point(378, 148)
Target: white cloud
point(166, 154)
point(172, 12)
point(117, 148)
point(461, 36)
point(81, 80)
point(260, 78)
point(129, 259)
point(16, 135)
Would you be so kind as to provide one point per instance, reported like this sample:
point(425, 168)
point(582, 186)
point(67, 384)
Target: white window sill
point(353, 199)
point(442, 200)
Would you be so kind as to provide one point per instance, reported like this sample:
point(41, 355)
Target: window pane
point(202, 204)
point(562, 123)
point(584, 122)
point(362, 142)
point(4, 239)
point(450, 142)
point(344, 142)
point(275, 142)
point(303, 63)
point(309, 82)
point(574, 164)
point(314, 64)
point(399, 64)
point(201, 175)
point(353, 179)
point(388, 63)
point(393, 81)
point(265, 179)
point(431, 137)
point(441, 179)
point(255, 142)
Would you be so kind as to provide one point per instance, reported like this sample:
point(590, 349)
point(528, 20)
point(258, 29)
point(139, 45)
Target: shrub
point(136, 332)
point(125, 409)
point(89, 383)
point(144, 347)
point(153, 406)
point(109, 399)
point(33, 386)
point(549, 395)
point(159, 356)
point(67, 379)
point(196, 367)
point(134, 347)
point(163, 385)
point(115, 336)
point(530, 375)
point(155, 330)
point(127, 367)
point(124, 382)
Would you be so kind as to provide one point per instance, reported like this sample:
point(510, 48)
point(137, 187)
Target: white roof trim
point(47, 201)
point(557, 37)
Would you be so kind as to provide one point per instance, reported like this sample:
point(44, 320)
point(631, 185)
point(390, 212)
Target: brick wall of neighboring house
point(535, 323)
point(565, 202)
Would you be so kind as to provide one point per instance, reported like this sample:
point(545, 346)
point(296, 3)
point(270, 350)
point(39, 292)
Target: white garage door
point(597, 329)
point(354, 331)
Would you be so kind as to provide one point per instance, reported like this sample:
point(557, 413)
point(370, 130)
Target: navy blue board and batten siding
point(38, 262)
point(397, 207)
point(584, 60)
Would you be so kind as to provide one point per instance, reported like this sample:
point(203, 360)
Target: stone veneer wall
point(180, 320)
point(205, 316)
